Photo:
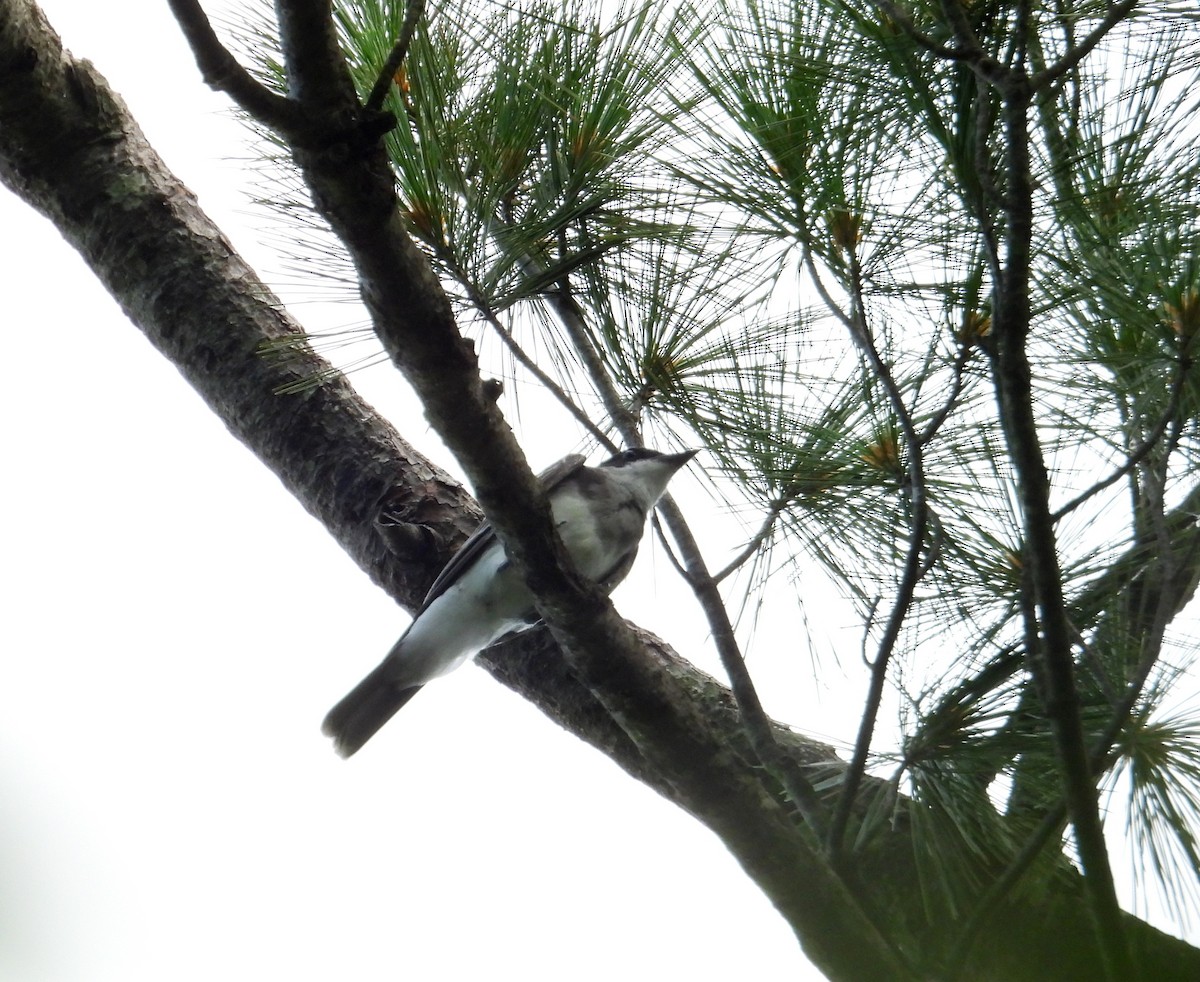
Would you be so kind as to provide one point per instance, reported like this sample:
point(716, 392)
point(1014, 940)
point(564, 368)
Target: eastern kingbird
point(600, 513)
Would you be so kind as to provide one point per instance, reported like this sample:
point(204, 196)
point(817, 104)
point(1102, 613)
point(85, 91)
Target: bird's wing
point(484, 536)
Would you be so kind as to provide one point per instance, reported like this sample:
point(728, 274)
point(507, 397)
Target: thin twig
point(1140, 453)
point(956, 387)
point(1072, 58)
point(387, 74)
point(757, 724)
point(665, 541)
point(913, 568)
point(559, 393)
point(572, 320)
point(825, 295)
point(481, 305)
point(755, 542)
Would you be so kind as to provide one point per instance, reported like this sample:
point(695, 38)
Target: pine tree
point(922, 281)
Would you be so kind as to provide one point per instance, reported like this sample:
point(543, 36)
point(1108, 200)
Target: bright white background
point(174, 626)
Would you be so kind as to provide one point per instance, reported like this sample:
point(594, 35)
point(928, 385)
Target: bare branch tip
point(395, 60)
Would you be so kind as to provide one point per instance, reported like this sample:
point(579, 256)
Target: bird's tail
point(370, 704)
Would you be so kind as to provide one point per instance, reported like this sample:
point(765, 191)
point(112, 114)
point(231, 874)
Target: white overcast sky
point(174, 627)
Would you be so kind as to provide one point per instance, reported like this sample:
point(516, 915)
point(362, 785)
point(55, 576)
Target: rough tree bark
point(70, 149)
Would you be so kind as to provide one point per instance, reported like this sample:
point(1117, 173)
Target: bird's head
point(646, 472)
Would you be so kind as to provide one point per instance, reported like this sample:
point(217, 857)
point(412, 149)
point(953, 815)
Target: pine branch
point(752, 547)
point(1072, 59)
point(295, 121)
point(40, 134)
point(223, 73)
point(912, 570)
point(1169, 418)
point(490, 316)
point(387, 74)
point(1054, 668)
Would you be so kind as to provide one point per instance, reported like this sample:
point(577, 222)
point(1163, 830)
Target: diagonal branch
point(479, 301)
point(387, 74)
point(1143, 450)
point(1116, 13)
point(768, 524)
point(314, 115)
point(223, 73)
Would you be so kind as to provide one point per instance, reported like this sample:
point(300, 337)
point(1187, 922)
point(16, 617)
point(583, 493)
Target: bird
point(600, 514)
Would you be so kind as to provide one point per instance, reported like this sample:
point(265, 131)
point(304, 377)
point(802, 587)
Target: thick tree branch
point(70, 148)
point(323, 122)
point(317, 75)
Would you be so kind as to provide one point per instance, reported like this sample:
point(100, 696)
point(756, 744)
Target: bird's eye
point(630, 455)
